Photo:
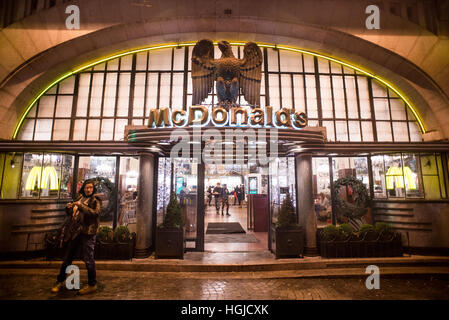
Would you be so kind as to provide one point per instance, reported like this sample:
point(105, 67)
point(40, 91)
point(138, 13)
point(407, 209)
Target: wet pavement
point(125, 285)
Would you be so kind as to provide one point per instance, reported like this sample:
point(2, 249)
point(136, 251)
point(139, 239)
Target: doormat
point(230, 238)
point(224, 227)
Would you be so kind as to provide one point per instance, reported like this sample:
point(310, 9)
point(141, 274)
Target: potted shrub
point(105, 243)
point(124, 242)
point(289, 237)
point(370, 240)
point(344, 232)
point(170, 234)
point(327, 241)
point(390, 243)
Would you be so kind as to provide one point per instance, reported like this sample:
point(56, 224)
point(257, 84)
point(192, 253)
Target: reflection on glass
point(31, 175)
point(11, 175)
point(128, 192)
point(321, 191)
point(377, 163)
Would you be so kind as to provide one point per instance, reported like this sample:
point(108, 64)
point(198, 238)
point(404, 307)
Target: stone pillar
point(145, 205)
point(305, 207)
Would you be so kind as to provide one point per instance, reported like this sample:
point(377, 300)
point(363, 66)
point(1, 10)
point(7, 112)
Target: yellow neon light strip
point(34, 174)
point(187, 44)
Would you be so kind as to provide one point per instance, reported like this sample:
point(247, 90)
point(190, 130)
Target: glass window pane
point(330, 131)
point(379, 90)
point(354, 131)
point(31, 175)
point(394, 176)
point(351, 97)
point(93, 130)
point(11, 176)
point(397, 109)
point(83, 95)
point(107, 130)
point(298, 84)
point(441, 176)
point(341, 130)
point(100, 67)
point(415, 132)
point(365, 108)
point(400, 131)
point(273, 63)
point(96, 95)
point(378, 176)
point(164, 94)
point(339, 97)
point(110, 93)
point(367, 131)
point(383, 131)
point(152, 86)
point(178, 91)
point(64, 107)
point(126, 62)
point(26, 130)
point(67, 176)
point(336, 68)
point(123, 95)
point(309, 64)
point(411, 175)
point(79, 131)
point(139, 95)
point(46, 106)
point(67, 86)
point(178, 59)
point(381, 109)
point(274, 92)
point(43, 129)
point(2, 165)
point(61, 130)
point(290, 61)
point(312, 107)
point(141, 60)
point(51, 175)
point(286, 87)
point(323, 65)
point(120, 129)
point(160, 59)
point(326, 97)
point(113, 64)
point(128, 192)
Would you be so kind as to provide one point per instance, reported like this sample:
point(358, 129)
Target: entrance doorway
point(228, 220)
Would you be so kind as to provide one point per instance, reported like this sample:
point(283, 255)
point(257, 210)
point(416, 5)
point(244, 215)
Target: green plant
point(329, 232)
point(105, 234)
point(383, 228)
point(368, 232)
point(287, 213)
point(173, 217)
point(121, 234)
point(345, 230)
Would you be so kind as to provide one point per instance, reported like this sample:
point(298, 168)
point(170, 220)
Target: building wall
point(425, 222)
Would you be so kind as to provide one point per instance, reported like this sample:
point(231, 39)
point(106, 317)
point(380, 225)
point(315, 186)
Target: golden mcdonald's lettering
point(235, 116)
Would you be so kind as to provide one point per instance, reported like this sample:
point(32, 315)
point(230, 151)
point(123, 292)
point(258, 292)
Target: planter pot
point(289, 242)
point(105, 250)
point(169, 243)
point(342, 249)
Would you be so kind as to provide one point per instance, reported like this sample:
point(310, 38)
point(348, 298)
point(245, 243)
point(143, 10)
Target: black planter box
point(289, 242)
point(169, 243)
point(362, 248)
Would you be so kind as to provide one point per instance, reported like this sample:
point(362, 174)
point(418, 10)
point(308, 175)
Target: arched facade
point(67, 101)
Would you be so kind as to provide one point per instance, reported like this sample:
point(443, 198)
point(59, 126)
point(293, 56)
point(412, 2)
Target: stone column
point(305, 206)
point(145, 205)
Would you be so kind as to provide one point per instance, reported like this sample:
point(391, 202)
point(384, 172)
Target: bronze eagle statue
point(231, 74)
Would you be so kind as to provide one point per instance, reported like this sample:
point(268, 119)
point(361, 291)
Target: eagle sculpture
point(231, 74)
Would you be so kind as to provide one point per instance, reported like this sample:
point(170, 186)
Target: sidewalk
point(259, 264)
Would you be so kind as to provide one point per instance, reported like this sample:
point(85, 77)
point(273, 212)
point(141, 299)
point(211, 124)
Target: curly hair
point(89, 181)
